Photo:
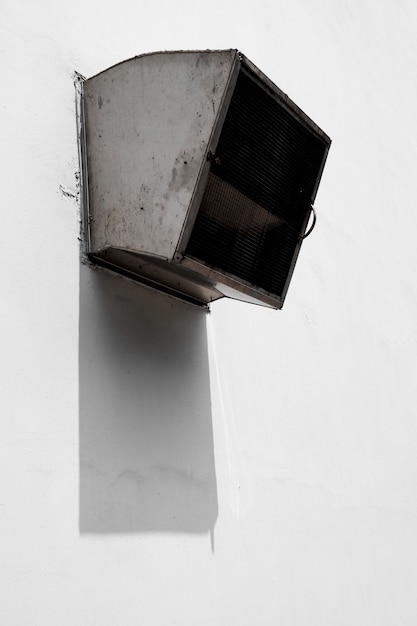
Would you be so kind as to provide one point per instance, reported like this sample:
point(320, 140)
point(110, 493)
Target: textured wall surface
point(161, 466)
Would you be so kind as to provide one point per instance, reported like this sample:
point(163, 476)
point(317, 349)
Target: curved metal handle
point(310, 230)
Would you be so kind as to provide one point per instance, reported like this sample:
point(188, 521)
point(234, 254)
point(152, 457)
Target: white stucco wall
point(161, 466)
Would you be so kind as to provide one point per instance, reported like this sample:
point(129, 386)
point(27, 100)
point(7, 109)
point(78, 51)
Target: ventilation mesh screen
point(259, 190)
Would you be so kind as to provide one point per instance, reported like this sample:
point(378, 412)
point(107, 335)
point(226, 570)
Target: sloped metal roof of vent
point(201, 175)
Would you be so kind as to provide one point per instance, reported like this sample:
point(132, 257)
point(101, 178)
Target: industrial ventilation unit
point(199, 175)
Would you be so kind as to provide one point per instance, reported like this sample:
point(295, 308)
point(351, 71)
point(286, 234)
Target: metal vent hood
point(200, 175)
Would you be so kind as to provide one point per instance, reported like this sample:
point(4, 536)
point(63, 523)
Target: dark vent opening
point(260, 187)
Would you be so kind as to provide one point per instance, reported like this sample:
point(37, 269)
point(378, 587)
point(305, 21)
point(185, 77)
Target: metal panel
point(149, 121)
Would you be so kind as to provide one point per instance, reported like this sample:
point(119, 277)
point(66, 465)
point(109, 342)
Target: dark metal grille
point(260, 187)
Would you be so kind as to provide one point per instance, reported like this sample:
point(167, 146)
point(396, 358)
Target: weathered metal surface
point(201, 174)
point(149, 122)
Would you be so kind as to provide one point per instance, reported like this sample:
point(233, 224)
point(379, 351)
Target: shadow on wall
point(146, 438)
